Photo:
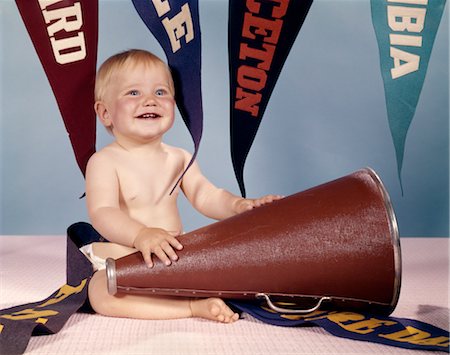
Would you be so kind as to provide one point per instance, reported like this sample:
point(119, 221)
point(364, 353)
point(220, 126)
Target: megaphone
point(334, 245)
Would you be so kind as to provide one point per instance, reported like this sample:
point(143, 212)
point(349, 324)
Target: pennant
point(64, 34)
point(19, 323)
point(405, 31)
point(398, 332)
point(175, 24)
point(260, 37)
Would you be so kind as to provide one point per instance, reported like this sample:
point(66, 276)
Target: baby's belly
point(111, 250)
point(167, 218)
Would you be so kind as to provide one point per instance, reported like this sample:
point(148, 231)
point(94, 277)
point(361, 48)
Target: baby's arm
point(214, 202)
point(102, 194)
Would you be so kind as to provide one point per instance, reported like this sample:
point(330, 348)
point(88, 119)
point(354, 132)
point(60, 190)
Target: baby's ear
point(102, 112)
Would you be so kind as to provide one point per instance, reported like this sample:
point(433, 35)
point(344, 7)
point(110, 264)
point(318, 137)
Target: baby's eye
point(161, 92)
point(133, 92)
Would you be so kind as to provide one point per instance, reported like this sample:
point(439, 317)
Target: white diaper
point(97, 262)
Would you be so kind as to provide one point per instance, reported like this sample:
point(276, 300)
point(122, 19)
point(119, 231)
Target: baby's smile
point(148, 116)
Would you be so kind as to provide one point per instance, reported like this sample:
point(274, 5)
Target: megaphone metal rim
point(395, 236)
point(111, 279)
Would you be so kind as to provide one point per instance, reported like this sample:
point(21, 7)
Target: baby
point(128, 184)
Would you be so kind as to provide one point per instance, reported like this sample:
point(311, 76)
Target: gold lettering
point(29, 314)
point(415, 336)
point(64, 292)
point(367, 326)
point(341, 317)
point(438, 341)
point(41, 315)
point(41, 320)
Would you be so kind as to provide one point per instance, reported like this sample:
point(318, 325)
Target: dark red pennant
point(64, 34)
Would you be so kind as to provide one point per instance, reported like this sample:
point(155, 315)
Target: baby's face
point(139, 102)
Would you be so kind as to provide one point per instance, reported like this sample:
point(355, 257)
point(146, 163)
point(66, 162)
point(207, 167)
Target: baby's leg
point(134, 306)
point(151, 307)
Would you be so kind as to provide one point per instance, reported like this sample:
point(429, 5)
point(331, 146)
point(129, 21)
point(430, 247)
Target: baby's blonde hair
point(120, 60)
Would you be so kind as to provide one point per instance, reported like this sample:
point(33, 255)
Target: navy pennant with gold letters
point(260, 36)
point(18, 323)
point(175, 24)
point(398, 332)
point(65, 34)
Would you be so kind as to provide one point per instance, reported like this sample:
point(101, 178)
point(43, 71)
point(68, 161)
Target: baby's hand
point(244, 204)
point(159, 242)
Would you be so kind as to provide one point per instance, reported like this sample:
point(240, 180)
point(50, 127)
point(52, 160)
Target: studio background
point(326, 118)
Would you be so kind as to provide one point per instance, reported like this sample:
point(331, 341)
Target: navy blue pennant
point(260, 36)
point(48, 316)
point(175, 25)
point(374, 328)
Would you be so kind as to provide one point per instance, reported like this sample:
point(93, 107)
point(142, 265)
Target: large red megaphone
point(337, 242)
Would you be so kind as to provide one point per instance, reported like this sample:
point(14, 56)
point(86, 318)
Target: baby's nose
point(149, 101)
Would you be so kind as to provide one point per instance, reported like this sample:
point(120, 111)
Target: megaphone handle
point(290, 310)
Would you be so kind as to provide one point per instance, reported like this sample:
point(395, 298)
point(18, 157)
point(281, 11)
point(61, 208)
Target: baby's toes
point(233, 318)
point(229, 315)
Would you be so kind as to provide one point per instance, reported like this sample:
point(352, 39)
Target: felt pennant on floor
point(398, 332)
point(260, 37)
point(405, 32)
point(175, 25)
point(64, 34)
point(19, 323)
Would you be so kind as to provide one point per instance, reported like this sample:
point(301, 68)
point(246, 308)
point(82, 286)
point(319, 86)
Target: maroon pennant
point(65, 35)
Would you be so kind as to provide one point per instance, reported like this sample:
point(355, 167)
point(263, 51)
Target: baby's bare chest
point(146, 184)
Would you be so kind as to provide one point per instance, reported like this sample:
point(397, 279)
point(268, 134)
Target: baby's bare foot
point(213, 309)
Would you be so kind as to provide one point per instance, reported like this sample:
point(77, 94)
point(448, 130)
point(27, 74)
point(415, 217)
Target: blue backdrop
point(326, 118)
